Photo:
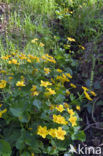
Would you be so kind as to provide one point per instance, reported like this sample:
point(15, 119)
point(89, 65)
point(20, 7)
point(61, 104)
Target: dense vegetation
point(51, 65)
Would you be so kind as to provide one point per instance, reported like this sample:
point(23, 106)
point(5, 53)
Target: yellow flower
point(59, 119)
point(41, 44)
point(51, 91)
point(60, 108)
point(52, 107)
point(93, 93)
point(73, 85)
point(68, 74)
point(66, 105)
point(71, 39)
point(33, 88)
point(66, 10)
point(70, 111)
point(73, 120)
point(60, 133)
point(2, 71)
point(42, 131)
point(78, 108)
point(55, 118)
point(3, 84)
point(52, 80)
point(51, 60)
point(46, 94)
point(20, 83)
point(10, 62)
point(13, 53)
point(48, 58)
point(67, 46)
point(22, 77)
point(35, 93)
point(52, 132)
point(83, 48)
point(32, 154)
point(46, 70)
point(34, 40)
point(65, 78)
point(51, 57)
point(84, 88)
point(37, 59)
point(32, 57)
point(62, 78)
point(45, 83)
point(5, 57)
point(87, 96)
point(59, 70)
point(2, 112)
point(44, 57)
point(10, 78)
point(58, 78)
point(22, 57)
point(13, 61)
point(67, 92)
point(30, 129)
point(34, 70)
point(28, 60)
point(70, 11)
point(11, 73)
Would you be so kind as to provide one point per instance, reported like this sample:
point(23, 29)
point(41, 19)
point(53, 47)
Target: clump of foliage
point(35, 112)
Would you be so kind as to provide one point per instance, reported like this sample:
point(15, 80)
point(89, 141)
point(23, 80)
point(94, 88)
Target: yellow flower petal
point(87, 96)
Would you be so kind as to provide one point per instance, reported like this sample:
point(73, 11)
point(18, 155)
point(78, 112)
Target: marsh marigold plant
point(35, 105)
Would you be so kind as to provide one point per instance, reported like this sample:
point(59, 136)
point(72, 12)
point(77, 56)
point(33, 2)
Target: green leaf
point(53, 143)
point(52, 150)
point(11, 134)
point(60, 98)
point(24, 118)
point(25, 154)
point(17, 112)
point(72, 97)
point(68, 70)
point(6, 154)
point(5, 148)
point(27, 139)
point(20, 143)
point(78, 136)
point(37, 103)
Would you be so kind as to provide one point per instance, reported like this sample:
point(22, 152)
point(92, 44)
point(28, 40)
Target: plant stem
point(92, 71)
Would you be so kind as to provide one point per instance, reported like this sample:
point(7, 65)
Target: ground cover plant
point(50, 51)
point(35, 105)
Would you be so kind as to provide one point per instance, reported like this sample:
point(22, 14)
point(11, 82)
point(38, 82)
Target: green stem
point(92, 71)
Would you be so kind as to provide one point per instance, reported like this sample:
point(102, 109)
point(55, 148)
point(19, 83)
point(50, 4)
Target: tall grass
point(43, 7)
point(83, 23)
point(31, 18)
point(36, 6)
